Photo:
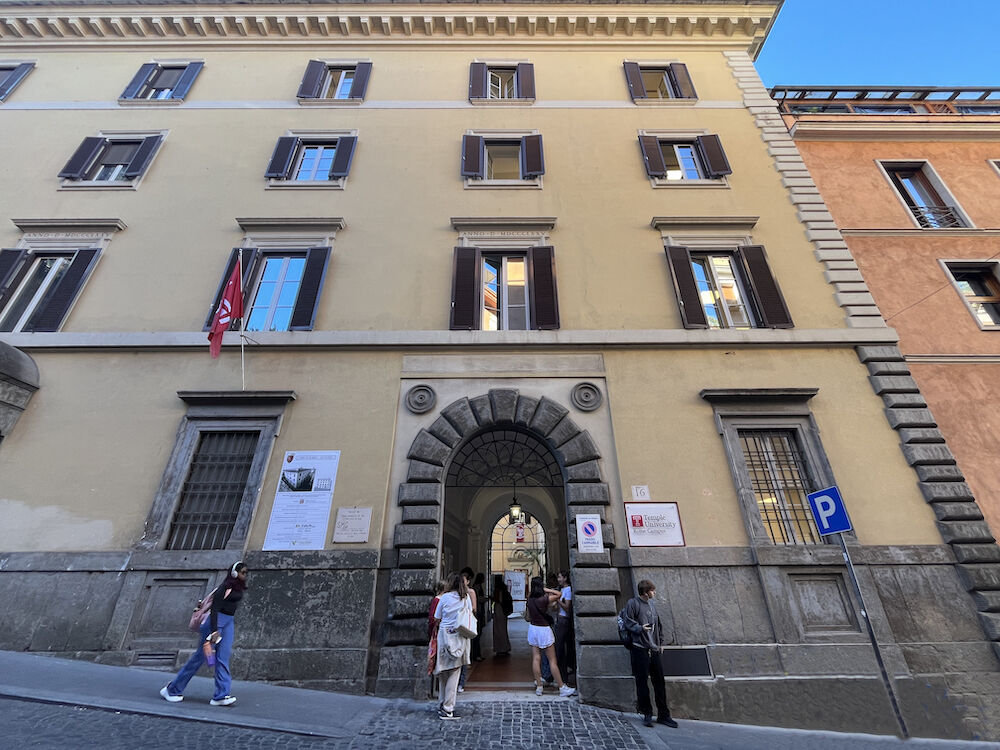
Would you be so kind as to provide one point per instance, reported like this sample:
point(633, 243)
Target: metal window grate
point(937, 217)
point(780, 481)
point(214, 489)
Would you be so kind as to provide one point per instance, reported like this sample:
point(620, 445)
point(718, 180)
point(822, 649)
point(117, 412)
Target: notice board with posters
point(654, 525)
point(300, 515)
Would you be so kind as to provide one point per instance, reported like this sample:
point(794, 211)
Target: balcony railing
point(937, 217)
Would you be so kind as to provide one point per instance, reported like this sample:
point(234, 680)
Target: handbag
point(467, 626)
point(201, 612)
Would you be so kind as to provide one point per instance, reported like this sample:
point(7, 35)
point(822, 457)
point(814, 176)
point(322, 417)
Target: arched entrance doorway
point(400, 635)
point(505, 517)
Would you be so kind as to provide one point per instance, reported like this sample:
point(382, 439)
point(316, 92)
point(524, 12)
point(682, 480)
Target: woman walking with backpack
point(215, 640)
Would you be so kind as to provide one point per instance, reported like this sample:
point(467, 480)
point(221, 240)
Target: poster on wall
point(352, 525)
point(654, 525)
point(588, 533)
point(300, 515)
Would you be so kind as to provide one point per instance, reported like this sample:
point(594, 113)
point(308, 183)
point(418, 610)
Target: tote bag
point(467, 626)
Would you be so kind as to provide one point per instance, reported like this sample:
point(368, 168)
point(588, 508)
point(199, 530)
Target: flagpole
point(243, 327)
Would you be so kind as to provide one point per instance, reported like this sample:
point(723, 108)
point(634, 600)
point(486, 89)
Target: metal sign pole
point(871, 635)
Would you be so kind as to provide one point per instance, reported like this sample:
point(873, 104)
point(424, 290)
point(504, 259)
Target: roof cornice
point(897, 130)
point(743, 24)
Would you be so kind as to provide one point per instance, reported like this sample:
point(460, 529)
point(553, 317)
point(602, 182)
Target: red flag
point(230, 309)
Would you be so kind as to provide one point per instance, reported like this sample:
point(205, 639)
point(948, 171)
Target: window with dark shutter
point(111, 159)
point(652, 157)
point(465, 300)
point(11, 271)
point(331, 82)
point(250, 257)
point(686, 288)
point(143, 156)
point(525, 81)
point(52, 308)
point(770, 302)
point(633, 75)
point(362, 73)
point(477, 80)
point(715, 161)
point(473, 156)
point(344, 156)
point(10, 77)
point(312, 80)
point(532, 158)
point(83, 157)
point(544, 300)
point(281, 159)
point(680, 81)
point(313, 276)
point(155, 82)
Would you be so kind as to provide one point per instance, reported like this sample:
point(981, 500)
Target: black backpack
point(624, 634)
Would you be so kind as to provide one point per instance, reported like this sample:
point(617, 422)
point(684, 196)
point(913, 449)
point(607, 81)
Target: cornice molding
point(896, 131)
point(741, 25)
point(255, 224)
point(525, 223)
point(681, 223)
point(69, 225)
point(952, 359)
point(914, 232)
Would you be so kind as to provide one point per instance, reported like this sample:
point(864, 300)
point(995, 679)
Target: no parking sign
point(588, 533)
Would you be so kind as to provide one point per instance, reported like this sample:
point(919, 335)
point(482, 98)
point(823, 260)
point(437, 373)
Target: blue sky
point(883, 42)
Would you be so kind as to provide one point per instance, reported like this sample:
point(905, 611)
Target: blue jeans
point(223, 650)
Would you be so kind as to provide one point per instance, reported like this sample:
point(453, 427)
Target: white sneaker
point(461, 690)
point(538, 690)
point(168, 697)
point(227, 701)
point(566, 691)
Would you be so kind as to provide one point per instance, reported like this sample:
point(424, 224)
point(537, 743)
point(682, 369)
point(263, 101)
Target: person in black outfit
point(643, 622)
point(218, 631)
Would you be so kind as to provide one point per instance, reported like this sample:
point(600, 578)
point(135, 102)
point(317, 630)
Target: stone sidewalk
point(113, 707)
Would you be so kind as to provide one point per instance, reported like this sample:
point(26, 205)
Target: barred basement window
point(214, 489)
point(780, 478)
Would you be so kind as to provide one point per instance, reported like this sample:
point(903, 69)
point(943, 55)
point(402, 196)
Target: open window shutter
point(186, 80)
point(465, 290)
point(688, 299)
point(544, 301)
point(146, 72)
point(345, 154)
point(525, 81)
point(11, 272)
point(312, 80)
point(652, 157)
point(473, 156)
point(60, 299)
point(770, 303)
point(714, 157)
point(82, 157)
point(681, 81)
point(532, 158)
point(304, 314)
point(359, 86)
point(477, 80)
point(634, 77)
point(281, 159)
point(13, 78)
point(143, 155)
point(250, 258)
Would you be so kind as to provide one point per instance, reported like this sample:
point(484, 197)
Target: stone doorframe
point(417, 537)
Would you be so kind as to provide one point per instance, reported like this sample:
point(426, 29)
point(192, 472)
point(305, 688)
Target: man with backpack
point(642, 632)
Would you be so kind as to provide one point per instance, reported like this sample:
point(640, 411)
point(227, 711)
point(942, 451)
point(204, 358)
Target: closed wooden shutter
point(186, 80)
point(633, 74)
point(251, 256)
point(141, 78)
point(714, 158)
point(344, 156)
point(312, 80)
point(281, 159)
point(50, 316)
point(11, 272)
point(770, 302)
point(13, 78)
point(685, 287)
point(544, 299)
point(652, 157)
point(82, 158)
point(473, 156)
point(313, 276)
point(465, 290)
point(359, 86)
point(525, 81)
point(680, 79)
point(477, 80)
point(143, 155)
point(532, 158)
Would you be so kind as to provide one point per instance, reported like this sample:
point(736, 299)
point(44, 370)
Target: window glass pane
point(289, 290)
point(706, 291)
point(281, 320)
point(346, 81)
point(491, 293)
point(729, 291)
point(516, 281)
point(780, 481)
point(272, 269)
point(688, 161)
point(503, 161)
point(257, 319)
point(501, 83)
point(265, 292)
point(46, 272)
point(517, 318)
point(295, 268)
point(655, 82)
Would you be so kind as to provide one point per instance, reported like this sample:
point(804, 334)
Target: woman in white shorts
point(540, 635)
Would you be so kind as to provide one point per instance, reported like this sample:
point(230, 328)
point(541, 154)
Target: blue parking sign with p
point(829, 511)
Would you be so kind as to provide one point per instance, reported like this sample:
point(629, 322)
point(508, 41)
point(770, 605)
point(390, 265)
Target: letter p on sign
point(829, 511)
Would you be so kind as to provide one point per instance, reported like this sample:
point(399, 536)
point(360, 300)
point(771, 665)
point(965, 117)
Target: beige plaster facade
point(88, 472)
